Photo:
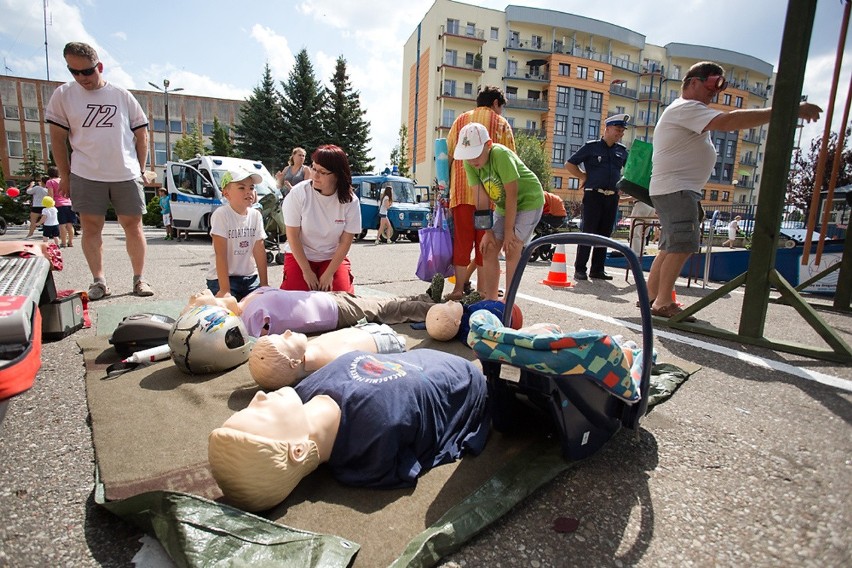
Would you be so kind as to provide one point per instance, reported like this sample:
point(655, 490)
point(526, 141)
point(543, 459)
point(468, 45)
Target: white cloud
point(120, 35)
point(192, 83)
point(277, 49)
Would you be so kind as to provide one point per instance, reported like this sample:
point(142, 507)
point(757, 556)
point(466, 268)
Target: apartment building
point(23, 101)
point(563, 74)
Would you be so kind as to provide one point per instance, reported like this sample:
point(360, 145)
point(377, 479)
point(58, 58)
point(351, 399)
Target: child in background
point(496, 171)
point(166, 210)
point(238, 265)
point(50, 220)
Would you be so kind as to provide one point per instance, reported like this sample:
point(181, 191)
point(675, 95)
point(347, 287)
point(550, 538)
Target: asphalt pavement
point(749, 464)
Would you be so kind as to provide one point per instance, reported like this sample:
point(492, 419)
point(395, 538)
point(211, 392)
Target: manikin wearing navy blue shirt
point(378, 420)
point(602, 161)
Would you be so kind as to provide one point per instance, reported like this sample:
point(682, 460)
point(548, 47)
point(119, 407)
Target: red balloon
point(13, 192)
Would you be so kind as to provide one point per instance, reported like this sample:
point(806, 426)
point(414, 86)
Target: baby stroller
point(548, 225)
point(273, 224)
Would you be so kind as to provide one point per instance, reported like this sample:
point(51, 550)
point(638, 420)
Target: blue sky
point(219, 48)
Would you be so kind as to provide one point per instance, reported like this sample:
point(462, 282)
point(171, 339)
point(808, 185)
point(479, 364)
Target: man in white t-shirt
point(108, 134)
point(683, 160)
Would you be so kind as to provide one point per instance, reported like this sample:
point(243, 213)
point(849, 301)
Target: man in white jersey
point(684, 156)
point(108, 134)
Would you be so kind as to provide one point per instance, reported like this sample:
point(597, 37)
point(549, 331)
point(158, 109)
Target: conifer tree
point(191, 144)
point(301, 104)
point(259, 134)
point(399, 153)
point(344, 121)
point(220, 141)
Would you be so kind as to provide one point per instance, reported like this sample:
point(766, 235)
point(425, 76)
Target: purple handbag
point(436, 249)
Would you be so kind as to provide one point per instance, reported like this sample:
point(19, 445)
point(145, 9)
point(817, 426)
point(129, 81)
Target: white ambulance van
point(195, 191)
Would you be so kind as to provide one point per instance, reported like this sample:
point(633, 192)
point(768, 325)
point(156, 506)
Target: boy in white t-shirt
point(238, 265)
point(50, 220)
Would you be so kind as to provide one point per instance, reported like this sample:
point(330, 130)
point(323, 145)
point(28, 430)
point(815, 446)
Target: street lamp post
point(165, 90)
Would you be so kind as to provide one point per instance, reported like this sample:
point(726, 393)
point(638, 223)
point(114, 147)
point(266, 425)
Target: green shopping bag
point(636, 177)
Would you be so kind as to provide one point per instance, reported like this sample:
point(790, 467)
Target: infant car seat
point(588, 384)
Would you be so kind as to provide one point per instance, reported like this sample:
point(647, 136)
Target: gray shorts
point(94, 197)
point(387, 340)
point(680, 221)
point(525, 222)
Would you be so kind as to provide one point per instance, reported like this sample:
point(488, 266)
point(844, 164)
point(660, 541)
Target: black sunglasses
point(84, 72)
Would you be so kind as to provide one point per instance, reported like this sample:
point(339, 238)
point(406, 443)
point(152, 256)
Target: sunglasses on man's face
point(84, 72)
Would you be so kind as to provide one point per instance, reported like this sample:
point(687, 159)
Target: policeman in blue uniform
point(602, 161)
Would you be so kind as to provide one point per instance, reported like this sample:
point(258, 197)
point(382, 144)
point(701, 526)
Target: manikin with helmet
point(209, 339)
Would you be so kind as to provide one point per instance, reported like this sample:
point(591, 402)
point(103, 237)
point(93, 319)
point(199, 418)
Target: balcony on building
point(456, 94)
point(649, 95)
point(526, 104)
point(535, 132)
point(617, 87)
point(463, 32)
point(751, 138)
point(474, 66)
point(529, 73)
point(748, 161)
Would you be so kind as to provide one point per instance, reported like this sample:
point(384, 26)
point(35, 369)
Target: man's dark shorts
point(94, 197)
point(680, 221)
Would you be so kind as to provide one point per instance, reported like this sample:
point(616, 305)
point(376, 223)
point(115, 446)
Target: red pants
point(465, 237)
point(293, 279)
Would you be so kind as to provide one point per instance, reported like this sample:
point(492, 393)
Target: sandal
point(98, 290)
point(142, 288)
point(669, 311)
point(651, 302)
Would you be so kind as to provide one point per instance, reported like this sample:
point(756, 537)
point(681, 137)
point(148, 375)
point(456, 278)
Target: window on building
point(11, 113)
point(452, 26)
point(703, 195)
point(34, 144)
point(511, 92)
point(574, 148)
point(726, 172)
point(675, 71)
point(558, 153)
point(573, 183)
point(729, 149)
point(468, 59)
point(531, 125)
point(715, 98)
point(619, 110)
point(448, 116)
point(557, 182)
point(727, 100)
point(536, 41)
point(577, 126)
point(511, 121)
point(207, 128)
point(738, 102)
point(565, 69)
point(159, 153)
point(599, 76)
point(715, 173)
point(492, 63)
point(718, 143)
point(561, 125)
point(175, 126)
point(512, 68)
point(495, 33)
point(31, 114)
point(451, 57)
point(594, 127)
point(16, 147)
point(449, 87)
point(514, 38)
point(595, 102)
point(468, 88)
point(714, 195)
point(562, 96)
point(579, 99)
point(726, 196)
point(470, 29)
point(582, 72)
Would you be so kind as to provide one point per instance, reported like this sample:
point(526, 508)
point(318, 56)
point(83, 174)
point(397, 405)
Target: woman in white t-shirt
point(733, 229)
point(322, 217)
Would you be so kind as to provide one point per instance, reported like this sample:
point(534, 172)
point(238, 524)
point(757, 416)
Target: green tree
point(802, 175)
point(221, 140)
point(399, 154)
point(190, 144)
point(2, 177)
point(343, 119)
point(531, 152)
point(258, 136)
point(302, 103)
point(32, 168)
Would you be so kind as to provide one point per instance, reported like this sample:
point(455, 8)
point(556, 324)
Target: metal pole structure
point(46, 59)
point(165, 90)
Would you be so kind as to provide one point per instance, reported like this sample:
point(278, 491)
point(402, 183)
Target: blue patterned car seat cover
point(544, 348)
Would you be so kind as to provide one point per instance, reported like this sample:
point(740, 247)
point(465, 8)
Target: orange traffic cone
point(558, 274)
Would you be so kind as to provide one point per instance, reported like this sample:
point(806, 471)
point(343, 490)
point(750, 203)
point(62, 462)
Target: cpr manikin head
point(261, 453)
point(443, 320)
point(206, 298)
point(278, 360)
